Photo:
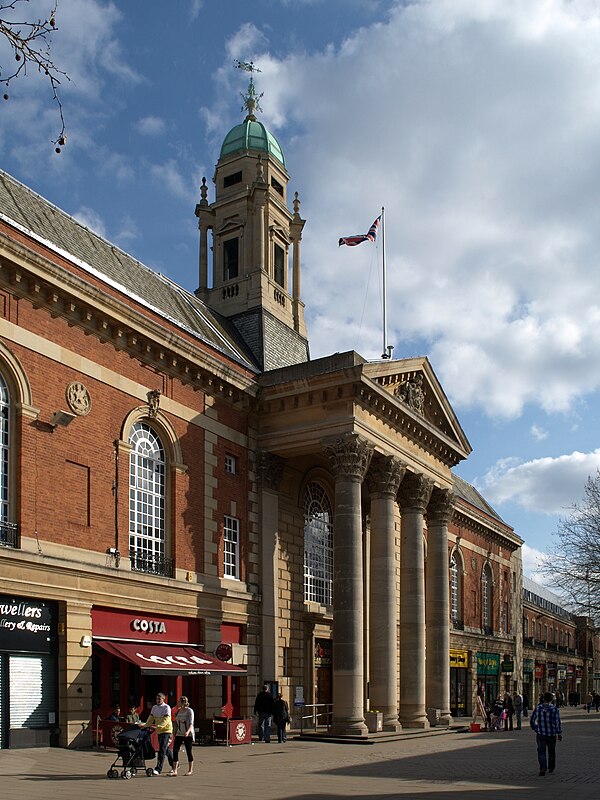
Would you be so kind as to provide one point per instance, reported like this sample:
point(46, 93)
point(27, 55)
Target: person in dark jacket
point(510, 712)
point(281, 715)
point(263, 706)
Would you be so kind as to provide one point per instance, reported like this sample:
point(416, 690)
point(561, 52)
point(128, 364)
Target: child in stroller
point(134, 748)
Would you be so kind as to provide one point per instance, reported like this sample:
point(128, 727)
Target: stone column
point(414, 494)
point(269, 468)
point(203, 255)
point(384, 478)
point(437, 612)
point(350, 456)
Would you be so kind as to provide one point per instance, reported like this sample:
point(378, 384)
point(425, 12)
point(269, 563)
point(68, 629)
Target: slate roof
point(470, 494)
point(53, 227)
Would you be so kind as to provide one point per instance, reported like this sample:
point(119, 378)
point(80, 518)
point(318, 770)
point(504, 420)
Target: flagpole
point(386, 352)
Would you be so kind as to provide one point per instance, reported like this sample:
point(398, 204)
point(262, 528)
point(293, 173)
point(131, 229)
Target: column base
point(422, 723)
point(446, 719)
point(393, 726)
point(346, 728)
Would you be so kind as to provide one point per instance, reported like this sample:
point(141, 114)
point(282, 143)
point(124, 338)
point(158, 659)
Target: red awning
point(170, 659)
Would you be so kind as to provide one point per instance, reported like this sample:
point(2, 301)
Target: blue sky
point(475, 124)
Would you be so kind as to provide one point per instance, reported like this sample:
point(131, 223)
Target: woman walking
point(184, 735)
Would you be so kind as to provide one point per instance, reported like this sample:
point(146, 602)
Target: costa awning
point(170, 659)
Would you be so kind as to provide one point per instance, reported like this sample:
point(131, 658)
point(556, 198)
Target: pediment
point(414, 385)
point(230, 224)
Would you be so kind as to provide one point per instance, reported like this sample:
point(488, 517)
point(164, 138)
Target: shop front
point(459, 670)
point(539, 683)
point(528, 685)
point(137, 655)
point(488, 669)
point(508, 671)
point(28, 672)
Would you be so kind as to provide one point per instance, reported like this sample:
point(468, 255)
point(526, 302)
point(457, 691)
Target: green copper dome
point(251, 135)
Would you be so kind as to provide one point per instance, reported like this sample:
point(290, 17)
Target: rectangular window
point(277, 186)
point(231, 180)
point(279, 265)
point(505, 618)
point(230, 464)
point(231, 257)
point(231, 548)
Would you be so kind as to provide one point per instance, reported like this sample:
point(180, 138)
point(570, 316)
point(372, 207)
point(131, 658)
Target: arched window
point(486, 586)
point(8, 530)
point(456, 590)
point(147, 495)
point(318, 545)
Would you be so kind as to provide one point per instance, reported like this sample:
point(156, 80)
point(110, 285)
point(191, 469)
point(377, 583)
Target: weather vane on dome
point(251, 98)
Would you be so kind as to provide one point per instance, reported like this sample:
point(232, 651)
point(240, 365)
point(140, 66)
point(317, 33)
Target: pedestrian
point(281, 716)
point(133, 718)
point(518, 704)
point(509, 708)
point(545, 721)
point(184, 735)
point(263, 706)
point(160, 717)
point(597, 701)
point(115, 715)
point(589, 699)
point(525, 705)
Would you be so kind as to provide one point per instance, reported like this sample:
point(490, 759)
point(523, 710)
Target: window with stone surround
point(7, 529)
point(230, 464)
point(231, 259)
point(456, 588)
point(231, 547)
point(318, 545)
point(147, 498)
point(486, 588)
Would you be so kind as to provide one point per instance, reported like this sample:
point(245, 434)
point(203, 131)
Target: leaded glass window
point(147, 494)
point(318, 545)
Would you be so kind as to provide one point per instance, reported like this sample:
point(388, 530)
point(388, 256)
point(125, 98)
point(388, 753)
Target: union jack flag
point(370, 236)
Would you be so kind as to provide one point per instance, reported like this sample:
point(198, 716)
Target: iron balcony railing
point(9, 534)
point(151, 564)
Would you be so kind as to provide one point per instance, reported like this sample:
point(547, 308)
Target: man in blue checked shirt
point(545, 721)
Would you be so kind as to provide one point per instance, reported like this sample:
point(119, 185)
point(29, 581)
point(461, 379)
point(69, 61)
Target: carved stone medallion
point(78, 398)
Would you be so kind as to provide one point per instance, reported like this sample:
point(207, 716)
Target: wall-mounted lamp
point(114, 552)
point(62, 419)
point(85, 641)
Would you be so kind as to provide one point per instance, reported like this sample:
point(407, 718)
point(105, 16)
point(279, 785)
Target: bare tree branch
point(573, 564)
point(30, 45)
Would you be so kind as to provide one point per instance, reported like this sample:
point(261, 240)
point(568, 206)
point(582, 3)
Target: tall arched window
point(7, 528)
point(456, 590)
point(486, 588)
point(147, 495)
point(318, 545)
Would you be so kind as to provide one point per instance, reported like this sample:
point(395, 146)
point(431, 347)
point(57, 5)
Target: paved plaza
point(496, 766)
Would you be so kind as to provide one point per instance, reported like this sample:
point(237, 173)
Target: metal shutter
point(32, 681)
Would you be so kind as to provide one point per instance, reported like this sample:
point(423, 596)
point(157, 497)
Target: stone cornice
point(46, 284)
point(487, 527)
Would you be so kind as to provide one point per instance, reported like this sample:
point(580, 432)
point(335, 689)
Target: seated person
point(132, 716)
point(115, 716)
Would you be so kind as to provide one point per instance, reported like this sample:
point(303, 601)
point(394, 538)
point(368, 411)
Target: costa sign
point(148, 626)
point(178, 660)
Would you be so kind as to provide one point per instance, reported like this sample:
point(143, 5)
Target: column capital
point(414, 493)
point(441, 506)
point(384, 475)
point(270, 469)
point(349, 456)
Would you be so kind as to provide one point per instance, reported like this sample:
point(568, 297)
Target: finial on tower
point(251, 98)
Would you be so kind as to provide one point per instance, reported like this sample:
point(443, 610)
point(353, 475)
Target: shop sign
point(561, 674)
point(552, 669)
point(323, 653)
point(148, 626)
point(528, 665)
point(508, 665)
point(571, 669)
point(459, 658)
point(488, 663)
point(539, 671)
point(26, 626)
point(579, 672)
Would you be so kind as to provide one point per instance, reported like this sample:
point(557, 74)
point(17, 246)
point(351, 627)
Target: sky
point(475, 124)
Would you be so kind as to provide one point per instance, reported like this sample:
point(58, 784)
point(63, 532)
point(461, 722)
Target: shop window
point(147, 498)
point(279, 265)
point(318, 545)
point(231, 548)
point(231, 258)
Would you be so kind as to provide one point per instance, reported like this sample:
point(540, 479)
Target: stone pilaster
point(439, 514)
point(349, 456)
point(383, 479)
point(269, 468)
point(414, 494)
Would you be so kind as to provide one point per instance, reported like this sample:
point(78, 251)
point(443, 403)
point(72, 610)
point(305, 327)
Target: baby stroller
point(134, 748)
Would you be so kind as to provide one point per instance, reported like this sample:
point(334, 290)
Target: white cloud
point(172, 179)
point(92, 220)
point(532, 561)
point(151, 126)
point(475, 124)
point(539, 434)
point(543, 485)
